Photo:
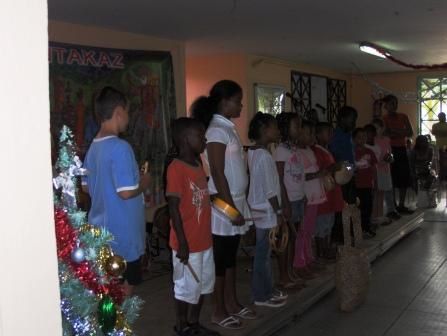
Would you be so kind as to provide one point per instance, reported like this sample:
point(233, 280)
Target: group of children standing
point(291, 186)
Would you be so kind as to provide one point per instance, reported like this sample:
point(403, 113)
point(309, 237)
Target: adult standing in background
point(439, 130)
point(398, 128)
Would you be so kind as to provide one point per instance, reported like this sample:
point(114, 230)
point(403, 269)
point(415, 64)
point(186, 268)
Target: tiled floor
point(408, 293)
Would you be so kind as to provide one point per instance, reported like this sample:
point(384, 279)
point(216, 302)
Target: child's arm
point(177, 224)
point(127, 183)
point(286, 209)
point(216, 158)
point(318, 174)
point(145, 181)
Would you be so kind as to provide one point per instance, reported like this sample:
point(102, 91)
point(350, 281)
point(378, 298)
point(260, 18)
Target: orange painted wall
point(398, 82)
point(205, 70)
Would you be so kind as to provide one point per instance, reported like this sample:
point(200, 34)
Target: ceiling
point(320, 32)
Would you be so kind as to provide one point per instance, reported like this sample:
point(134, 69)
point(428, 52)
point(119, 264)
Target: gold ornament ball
point(85, 227)
point(115, 265)
point(96, 231)
point(104, 254)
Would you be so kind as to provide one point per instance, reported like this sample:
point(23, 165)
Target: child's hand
point(239, 221)
point(183, 253)
point(145, 181)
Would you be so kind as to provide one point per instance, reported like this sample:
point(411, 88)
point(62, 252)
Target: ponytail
point(204, 108)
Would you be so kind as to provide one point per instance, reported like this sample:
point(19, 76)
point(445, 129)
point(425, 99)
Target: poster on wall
point(78, 73)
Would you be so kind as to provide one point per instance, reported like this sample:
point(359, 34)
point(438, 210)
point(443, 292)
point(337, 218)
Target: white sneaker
point(279, 295)
point(271, 303)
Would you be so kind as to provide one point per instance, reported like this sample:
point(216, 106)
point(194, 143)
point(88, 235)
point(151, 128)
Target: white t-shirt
point(264, 184)
point(222, 130)
point(293, 171)
point(313, 189)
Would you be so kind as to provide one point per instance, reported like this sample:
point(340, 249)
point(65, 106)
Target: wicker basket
point(352, 270)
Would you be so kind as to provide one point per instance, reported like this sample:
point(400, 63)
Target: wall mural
point(77, 73)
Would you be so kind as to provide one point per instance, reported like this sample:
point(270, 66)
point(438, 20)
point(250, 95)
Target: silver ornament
point(78, 255)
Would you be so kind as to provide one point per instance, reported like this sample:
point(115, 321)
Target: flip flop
point(230, 322)
point(246, 314)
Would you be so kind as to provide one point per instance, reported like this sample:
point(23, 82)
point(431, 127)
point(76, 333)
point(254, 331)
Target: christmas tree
point(92, 297)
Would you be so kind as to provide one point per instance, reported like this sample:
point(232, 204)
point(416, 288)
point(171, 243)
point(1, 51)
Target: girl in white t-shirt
point(291, 177)
point(315, 195)
point(264, 198)
point(228, 181)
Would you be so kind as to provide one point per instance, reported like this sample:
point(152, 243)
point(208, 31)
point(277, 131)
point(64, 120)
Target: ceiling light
point(372, 49)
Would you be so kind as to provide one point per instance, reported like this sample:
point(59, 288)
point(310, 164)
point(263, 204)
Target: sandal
point(230, 322)
point(246, 314)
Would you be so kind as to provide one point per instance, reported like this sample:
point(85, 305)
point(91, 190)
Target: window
point(270, 99)
point(432, 101)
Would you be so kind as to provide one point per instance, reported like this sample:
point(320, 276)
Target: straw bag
point(352, 270)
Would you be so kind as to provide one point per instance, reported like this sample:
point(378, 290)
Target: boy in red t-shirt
point(334, 197)
point(365, 179)
point(191, 241)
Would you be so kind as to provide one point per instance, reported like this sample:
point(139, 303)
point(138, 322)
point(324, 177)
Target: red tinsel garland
point(416, 66)
point(408, 65)
point(66, 237)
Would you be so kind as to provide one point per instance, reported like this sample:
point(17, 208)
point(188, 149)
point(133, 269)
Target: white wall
point(29, 291)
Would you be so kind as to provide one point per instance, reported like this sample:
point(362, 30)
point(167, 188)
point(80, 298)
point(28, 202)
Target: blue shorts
point(324, 226)
point(297, 208)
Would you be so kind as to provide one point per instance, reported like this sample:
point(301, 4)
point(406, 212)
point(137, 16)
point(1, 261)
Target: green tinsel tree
point(92, 297)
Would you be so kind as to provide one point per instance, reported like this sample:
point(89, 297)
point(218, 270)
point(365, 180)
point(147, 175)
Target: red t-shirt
point(398, 120)
point(189, 184)
point(365, 175)
point(334, 198)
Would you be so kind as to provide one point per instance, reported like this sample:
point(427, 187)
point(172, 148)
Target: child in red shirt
point(365, 177)
point(191, 241)
point(334, 197)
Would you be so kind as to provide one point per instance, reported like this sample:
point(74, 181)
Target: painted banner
point(78, 73)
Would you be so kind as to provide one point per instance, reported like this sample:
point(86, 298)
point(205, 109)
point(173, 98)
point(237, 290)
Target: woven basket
point(352, 270)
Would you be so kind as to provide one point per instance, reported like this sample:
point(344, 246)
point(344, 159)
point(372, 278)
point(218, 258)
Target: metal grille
point(300, 93)
point(432, 101)
point(336, 97)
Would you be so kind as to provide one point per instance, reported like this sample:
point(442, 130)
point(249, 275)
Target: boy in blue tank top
point(115, 185)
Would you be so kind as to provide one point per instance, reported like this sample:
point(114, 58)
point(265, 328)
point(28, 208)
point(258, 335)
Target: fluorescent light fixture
point(372, 49)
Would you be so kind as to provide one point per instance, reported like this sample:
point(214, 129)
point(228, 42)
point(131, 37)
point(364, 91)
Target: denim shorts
point(297, 208)
point(324, 226)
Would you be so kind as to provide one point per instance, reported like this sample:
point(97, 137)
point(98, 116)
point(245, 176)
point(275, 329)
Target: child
point(115, 185)
point(229, 182)
point(364, 179)
point(334, 198)
point(342, 149)
point(315, 195)
point(398, 128)
point(377, 217)
point(291, 178)
point(424, 169)
point(385, 192)
point(264, 198)
point(190, 212)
